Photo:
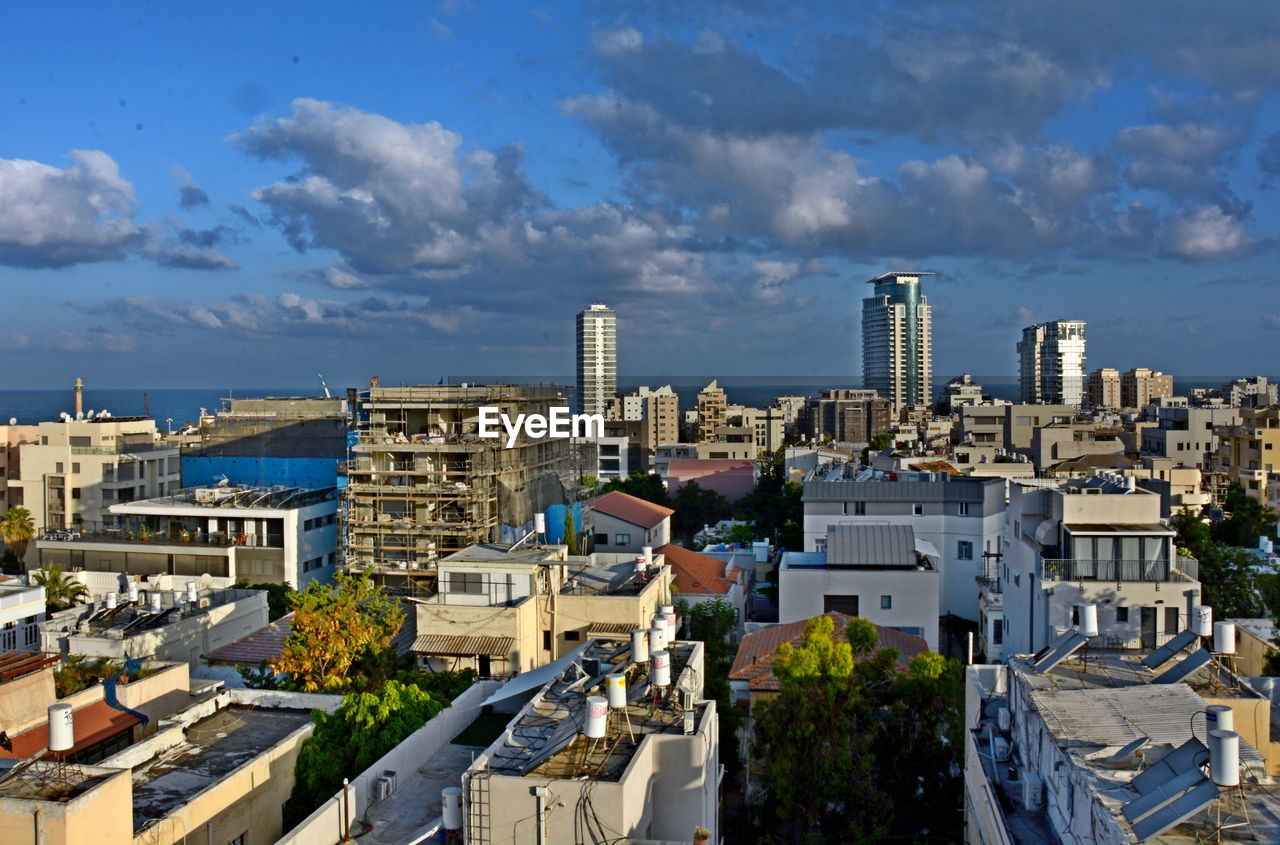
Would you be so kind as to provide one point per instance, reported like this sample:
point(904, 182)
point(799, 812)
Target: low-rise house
point(882, 573)
point(22, 609)
point(697, 578)
point(621, 523)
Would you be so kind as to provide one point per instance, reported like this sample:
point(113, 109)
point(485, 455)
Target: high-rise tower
point(897, 342)
point(1051, 363)
point(597, 359)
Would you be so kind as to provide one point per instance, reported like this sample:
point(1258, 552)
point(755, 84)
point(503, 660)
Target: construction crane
point(325, 386)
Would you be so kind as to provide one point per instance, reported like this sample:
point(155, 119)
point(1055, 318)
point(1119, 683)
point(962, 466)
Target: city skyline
point(188, 216)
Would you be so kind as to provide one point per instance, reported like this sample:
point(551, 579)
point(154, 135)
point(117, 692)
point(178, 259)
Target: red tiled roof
point(15, 664)
point(696, 574)
point(754, 662)
point(263, 644)
point(93, 723)
point(628, 508)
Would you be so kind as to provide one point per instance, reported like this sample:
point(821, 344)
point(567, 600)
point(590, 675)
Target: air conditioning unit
point(381, 789)
point(390, 775)
point(1032, 791)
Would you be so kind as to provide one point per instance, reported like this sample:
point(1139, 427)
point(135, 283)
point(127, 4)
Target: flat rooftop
point(215, 746)
point(130, 618)
point(545, 741)
point(1116, 669)
point(502, 553)
point(231, 498)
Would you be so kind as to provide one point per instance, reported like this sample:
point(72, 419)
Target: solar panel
point(1177, 811)
point(1062, 638)
point(1066, 646)
point(1166, 652)
point(1190, 663)
point(1130, 748)
point(1190, 755)
point(1145, 805)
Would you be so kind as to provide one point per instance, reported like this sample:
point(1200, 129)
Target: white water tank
point(639, 645)
point(597, 717)
point(657, 639)
point(62, 729)
point(641, 565)
point(112, 600)
point(1224, 638)
point(1202, 620)
point(1088, 620)
point(660, 668)
point(1004, 719)
point(156, 601)
point(647, 553)
point(133, 591)
point(540, 524)
point(615, 689)
point(1224, 757)
point(1219, 717)
point(451, 807)
point(177, 598)
point(193, 591)
point(761, 549)
point(669, 619)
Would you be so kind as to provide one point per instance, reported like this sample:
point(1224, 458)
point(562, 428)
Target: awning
point(534, 678)
point(462, 646)
point(92, 723)
point(611, 630)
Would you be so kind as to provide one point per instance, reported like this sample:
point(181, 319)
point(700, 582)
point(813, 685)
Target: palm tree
point(17, 528)
point(60, 591)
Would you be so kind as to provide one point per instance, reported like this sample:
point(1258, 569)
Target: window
point(622, 539)
point(964, 550)
point(573, 636)
point(330, 519)
point(602, 539)
point(546, 640)
point(239, 840)
point(886, 602)
point(1122, 614)
point(841, 604)
point(75, 468)
point(997, 631)
point(917, 509)
point(468, 583)
point(859, 508)
point(963, 509)
point(75, 492)
point(57, 467)
point(1171, 620)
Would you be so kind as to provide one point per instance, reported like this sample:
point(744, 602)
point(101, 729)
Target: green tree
point(1226, 573)
point(278, 602)
point(642, 486)
point(17, 529)
point(696, 506)
point(774, 507)
point(742, 533)
point(334, 626)
point(713, 623)
point(346, 742)
point(60, 590)
point(1249, 519)
point(570, 532)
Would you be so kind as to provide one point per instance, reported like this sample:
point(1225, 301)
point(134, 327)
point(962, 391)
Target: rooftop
point(130, 618)
point(231, 497)
point(266, 643)
point(544, 739)
point(834, 482)
point(503, 553)
point(693, 573)
point(630, 509)
point(214, 747)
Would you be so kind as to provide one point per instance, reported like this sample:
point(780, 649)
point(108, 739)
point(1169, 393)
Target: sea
point(177, 407)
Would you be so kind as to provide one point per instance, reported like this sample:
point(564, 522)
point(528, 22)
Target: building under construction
point(422, 482)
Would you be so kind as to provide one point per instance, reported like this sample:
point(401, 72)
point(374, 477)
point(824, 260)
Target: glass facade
point(897, 340)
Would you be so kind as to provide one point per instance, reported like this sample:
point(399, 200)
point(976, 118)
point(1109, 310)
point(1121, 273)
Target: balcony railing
point(123, 449)
point(1183, 569)
point(217, 539)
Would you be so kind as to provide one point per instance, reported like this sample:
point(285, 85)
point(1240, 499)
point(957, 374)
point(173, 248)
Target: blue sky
point(250, 193)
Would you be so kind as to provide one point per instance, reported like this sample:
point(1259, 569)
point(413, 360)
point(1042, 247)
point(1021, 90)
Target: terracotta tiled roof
point(630, 509)
point(263, 644)
point(93, 723)
point(754, 662)
point(696, 574)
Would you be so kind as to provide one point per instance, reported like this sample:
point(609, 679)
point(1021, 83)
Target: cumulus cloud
point(190, 195)
point(1205, 233)
point(1181, 160)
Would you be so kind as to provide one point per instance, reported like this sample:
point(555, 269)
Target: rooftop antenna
point(146, 405)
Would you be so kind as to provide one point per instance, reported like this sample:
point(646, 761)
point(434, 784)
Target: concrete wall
point(914, 595)
point(519, 622)
point(102, 815)
point(25, 701)
point(323, 827)
point(578, 613)
point(603, 523)
point(155, 696)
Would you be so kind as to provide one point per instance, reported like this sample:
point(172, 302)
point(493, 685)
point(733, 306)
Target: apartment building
point(1139, 386)
point(12, 437)
point(1051, 363)
point(1104, 389)
point(597, 347)
point(897, 340)
point(161, 759)
point(21, 612)
point(960, 392)
point(619, 741)
point(847, 417)
point(1249, 452)
point(79, 468)
point(962, 517)
point(1052, 444)
point(883, 573)
point(1185, 434)
point(1097, 541)
point(712, 410)
point(1163, 748)
point(422, 483)
point(1251, 392)
point(266, 535)
point(503, 610)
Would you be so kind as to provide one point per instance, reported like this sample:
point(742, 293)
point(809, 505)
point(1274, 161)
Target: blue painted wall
point(269, 472)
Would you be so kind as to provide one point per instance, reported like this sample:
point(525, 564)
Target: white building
point(597, 359)
point(21, 611)
point(265, 535)
point(897, 340)
point(962, 517)
point(883, 573)
point(1051, 363)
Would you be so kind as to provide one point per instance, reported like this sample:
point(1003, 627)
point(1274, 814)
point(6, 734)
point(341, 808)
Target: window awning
point(463, 646)
point(611, 630)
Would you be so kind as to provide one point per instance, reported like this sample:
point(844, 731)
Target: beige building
point(713, 410)
point(12, 437)
point(1248, 452)
point(653, 773)
point(503, 610)
point(78, 469)
point(1139, 386)
point(1104, 388)
point(180, 758)
point(423, 483)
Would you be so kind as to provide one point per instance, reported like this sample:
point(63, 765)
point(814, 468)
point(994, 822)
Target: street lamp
point(169, 423)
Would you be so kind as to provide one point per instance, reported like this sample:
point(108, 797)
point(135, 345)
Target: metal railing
point(1182, 569)
point(124, 449)
point(157, 538)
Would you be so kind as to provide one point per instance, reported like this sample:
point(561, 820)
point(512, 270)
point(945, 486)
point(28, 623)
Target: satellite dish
point(79, 415)
point(13, 420)
point(223, 481)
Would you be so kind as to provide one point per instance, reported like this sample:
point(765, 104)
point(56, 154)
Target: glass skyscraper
point(897, 340)
point(1051, 363)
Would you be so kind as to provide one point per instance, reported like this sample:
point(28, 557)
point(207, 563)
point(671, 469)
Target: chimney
point(79, 397)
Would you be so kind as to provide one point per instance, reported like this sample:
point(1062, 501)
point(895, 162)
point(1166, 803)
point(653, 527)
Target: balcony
point(1185, 569)
point(120, 536)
